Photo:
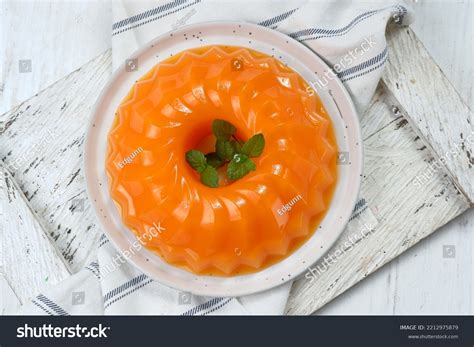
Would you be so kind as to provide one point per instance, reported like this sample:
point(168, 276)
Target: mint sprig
point(197, 160)
point(254, 146)
point(210, 177)
point(222, 129)
point(229, 150)
point(239, 166)
point(214, 160)
point(226, 149)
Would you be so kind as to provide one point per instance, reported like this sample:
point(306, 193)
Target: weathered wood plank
point(406, 213)
point(27, 269)
point(432, 105)
point(9, 303)
point(57, 37)
point(392, 157)
point(404, 286)
point(41, 145)
point(410, 195)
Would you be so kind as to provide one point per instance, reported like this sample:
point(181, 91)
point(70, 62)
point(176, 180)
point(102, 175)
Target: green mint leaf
point(237, 146)
point(254, 146)
point(240, 166)
point(225, 149)
point(210, 177)
point(214, 160)
point(196, 159)
point(222, 129)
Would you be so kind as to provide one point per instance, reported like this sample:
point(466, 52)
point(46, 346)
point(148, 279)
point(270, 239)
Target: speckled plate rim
point(300, 58)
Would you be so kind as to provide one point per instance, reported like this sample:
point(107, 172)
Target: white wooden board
point(9, 303)
point(410, 284)
point(27, 270)
point(41, 146)
point(70, 242)
point(422, 91)
point(394, 155)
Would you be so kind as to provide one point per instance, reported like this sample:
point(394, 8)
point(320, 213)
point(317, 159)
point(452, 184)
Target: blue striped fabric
point(147, 14)
point(127, 293)
point(158, 10)
point(218, 307)
point(309, 34)
point(42, 308)
point(274, 20)
point(127, 283)
point(94, 268)
point(332, 32)
point(130, 284)
point(202, 307)
point(381, 64)
point(49, 306)
point(320, 32)
point(345, 75)
point(360, 207)
point(103, 240)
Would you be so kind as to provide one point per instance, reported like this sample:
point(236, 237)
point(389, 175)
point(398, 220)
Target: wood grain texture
point(57, 36)
point(446, 30)
point(421, 280)
point(27, 270)
point(56, 63)
point(9, 303)
point(394, 155)
point(435, 109)
point(41, 145)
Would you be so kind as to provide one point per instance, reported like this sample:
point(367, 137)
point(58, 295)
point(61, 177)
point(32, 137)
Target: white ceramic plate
point(304, 61)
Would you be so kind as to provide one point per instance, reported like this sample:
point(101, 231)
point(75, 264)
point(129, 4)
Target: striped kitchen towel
point(349, 37)
point(112, 286)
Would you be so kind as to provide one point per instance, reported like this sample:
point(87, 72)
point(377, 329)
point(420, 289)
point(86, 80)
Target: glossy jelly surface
point(242, 226)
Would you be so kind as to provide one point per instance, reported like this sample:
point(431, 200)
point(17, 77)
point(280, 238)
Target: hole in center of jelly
point(207, 144)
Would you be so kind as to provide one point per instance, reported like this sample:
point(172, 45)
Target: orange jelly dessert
point(242, 226)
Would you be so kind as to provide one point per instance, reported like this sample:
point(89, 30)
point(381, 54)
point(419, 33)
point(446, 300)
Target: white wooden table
point(90, 38)
point(405, 286)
